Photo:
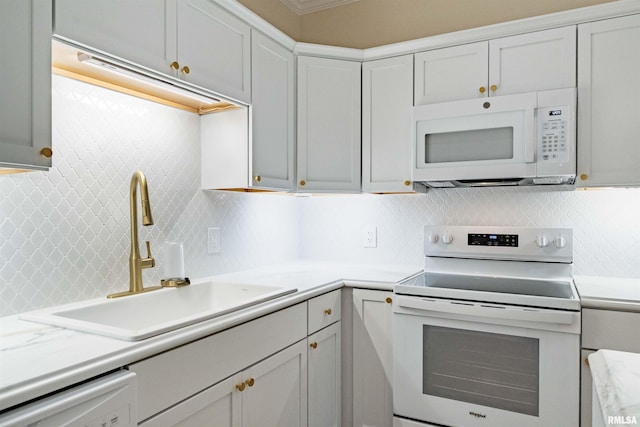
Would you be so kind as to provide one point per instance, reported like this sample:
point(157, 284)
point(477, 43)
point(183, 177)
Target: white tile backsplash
point(64, 234)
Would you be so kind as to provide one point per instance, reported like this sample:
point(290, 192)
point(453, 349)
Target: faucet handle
point(148, 262)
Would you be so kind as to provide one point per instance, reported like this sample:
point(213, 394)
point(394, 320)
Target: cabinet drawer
point(324, 310)
point(613, 330)
point(170, 377)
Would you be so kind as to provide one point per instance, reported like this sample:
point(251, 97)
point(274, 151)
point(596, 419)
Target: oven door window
point(494, 370)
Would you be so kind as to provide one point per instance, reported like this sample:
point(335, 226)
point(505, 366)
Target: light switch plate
point(370, 236)
point(213, 240)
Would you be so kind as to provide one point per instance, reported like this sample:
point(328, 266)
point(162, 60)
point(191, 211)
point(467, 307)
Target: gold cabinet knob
point(407, 183)
point(175, 65)
point(313, 345)
point(250, 382)
point(482, 89)
point(257, 178)
point(46, 152)
point(240, 387)
point(303, 183)
point(584, 176)
point(388, 300)
point(327, 312)
point(494, 88)
point(185, 69)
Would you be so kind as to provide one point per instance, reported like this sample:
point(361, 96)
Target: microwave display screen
point(555, 112)
point(510, 240)
point(469, 145)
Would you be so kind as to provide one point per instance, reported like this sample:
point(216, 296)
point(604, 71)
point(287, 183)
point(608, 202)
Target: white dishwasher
point(107, 401)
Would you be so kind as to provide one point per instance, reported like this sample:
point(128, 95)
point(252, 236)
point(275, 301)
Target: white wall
point(606, 223)
point(64, 234)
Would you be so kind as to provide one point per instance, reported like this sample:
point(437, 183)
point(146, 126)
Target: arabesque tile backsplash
point(64, 234)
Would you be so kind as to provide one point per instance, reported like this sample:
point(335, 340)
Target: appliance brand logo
point(477, 415)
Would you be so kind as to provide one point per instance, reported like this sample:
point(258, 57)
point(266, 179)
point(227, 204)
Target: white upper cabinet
point(132, 30)
point(194, 40)
point(609, 102)
point(387, 99)
point(25, 88)
point(328, 125)
point(273, 114)
point(523, 63)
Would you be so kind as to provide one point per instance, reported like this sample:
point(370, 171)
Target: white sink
point(137, 317)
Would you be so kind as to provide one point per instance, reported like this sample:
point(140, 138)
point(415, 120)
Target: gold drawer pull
point(407, 183)
point(313, 345)
point(303, 183)
point(240, 386)
point(327, 312)
point(257, 178)
point(175, 65)
point(186, 69)
point(494, 88)
point(482, 89)
point(46, 152)
point(584, 176)
point(388, 300)
point(250, 382)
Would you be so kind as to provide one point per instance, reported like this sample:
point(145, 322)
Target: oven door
point(459, 363)
point(489, 138)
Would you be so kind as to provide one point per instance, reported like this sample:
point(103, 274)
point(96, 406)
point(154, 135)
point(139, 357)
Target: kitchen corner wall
point(606, 223)
point(64, 234)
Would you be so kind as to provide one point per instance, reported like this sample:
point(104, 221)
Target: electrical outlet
point(213, 240)
point(370, 237)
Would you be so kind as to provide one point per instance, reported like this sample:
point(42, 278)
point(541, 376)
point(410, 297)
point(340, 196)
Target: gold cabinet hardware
point(257, 178)
point(313, 345)
point(240, 387)
point(327, 312)
point(494, 88)
point(482, 89)
point(584, 176)
point(175, 65)
point(250, 382)
point(303, 183)
point(46, 152)
point(185, 69)
point(388, 300)
point(407, 183)
point(586, 361)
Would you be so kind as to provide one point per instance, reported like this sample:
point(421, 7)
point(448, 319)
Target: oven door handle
point(479, 309)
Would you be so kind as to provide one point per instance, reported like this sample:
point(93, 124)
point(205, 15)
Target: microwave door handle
point(485, 310)
point(530, 135)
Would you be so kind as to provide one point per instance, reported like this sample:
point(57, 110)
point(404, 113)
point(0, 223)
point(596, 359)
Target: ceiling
point(302, 7)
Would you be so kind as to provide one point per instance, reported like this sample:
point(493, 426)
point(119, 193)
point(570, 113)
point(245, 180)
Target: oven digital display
point(510, 240)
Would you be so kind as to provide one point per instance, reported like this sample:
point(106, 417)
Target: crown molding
point(302, 7)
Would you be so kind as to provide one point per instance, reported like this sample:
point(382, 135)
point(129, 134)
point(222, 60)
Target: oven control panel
point(505, 243)
point(484, 239)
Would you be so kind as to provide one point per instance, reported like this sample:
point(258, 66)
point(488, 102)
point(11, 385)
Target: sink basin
point(137, 317)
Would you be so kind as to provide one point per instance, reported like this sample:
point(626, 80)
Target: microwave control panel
point(552, 131)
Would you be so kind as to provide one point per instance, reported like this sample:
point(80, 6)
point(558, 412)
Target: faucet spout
point(136, 262)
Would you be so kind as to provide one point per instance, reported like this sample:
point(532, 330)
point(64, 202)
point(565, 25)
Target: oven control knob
point(447, 238)
point(560, 242)
point(433, 238)
point(542, 241)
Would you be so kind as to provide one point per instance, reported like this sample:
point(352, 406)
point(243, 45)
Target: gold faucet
point(136, 262)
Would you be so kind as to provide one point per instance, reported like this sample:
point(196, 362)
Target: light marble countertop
point(616, 380)
point(37, 359)
point(609, 293)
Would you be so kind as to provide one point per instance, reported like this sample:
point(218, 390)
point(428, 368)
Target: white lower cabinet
point(372, 358)
point(324, 361)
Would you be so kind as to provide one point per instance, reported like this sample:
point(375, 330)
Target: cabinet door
point(272, 93)
point(217, 406)
point(325, 374)
point(141, 31)
point(533, 62)
point(276, 391)
point(608, 102)
point(450, 74)
point(328, 124)
point(387, 99)
point(373, 358)
point(25, 89)
point(215, 46)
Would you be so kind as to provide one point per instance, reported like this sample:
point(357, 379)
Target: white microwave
point(523, 139)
